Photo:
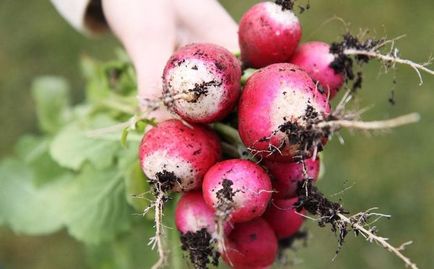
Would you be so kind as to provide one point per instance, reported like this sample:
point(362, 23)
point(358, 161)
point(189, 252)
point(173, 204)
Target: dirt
point(286, 4)
point(344, 64)
point(307, 137)
point(199, 246)
point(201, 89)
point(327, 212)
point(225, 197)
point(164, 181)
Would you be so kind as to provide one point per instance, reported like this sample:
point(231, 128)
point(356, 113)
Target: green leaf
point(25, 208)
point(95, 205)
point(34, 151)
point(137, 187)
point(51, 95)
point(73, 146)
point(130, 251)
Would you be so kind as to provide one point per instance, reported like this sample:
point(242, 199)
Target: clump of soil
point(285, 4)
point(164, 181)
point(225, 197)
point(344, 63)
point(199, 246)
point(314, 202)
point(308, 137)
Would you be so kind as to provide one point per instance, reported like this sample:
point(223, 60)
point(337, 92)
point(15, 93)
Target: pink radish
point(283, 218)
point(268, 33)
point(315, 58)
point(251, 245)
point(278, 104)
point(201, 82)
point(240, 187)
point(192, 214)
point(176, 156)
point(196, 222)
point(287, 176)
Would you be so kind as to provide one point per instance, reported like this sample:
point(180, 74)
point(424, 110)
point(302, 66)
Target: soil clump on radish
point(200, 249)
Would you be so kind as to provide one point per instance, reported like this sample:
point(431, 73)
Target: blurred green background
point(394, 170)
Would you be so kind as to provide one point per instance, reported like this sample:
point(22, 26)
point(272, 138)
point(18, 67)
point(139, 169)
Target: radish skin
point(268, 34)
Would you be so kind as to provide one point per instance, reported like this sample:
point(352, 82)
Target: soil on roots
point(164, 182)
point(285, 4)
point(344, 64)
point(199, 246)
point(306, 136)
point(314, 202)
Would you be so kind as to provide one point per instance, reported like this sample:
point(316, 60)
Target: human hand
point(151, 30)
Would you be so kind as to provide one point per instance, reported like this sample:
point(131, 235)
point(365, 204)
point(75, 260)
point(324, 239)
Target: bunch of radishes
point(240, 207)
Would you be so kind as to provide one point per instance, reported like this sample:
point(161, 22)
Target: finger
point(207, 21)
point(147, 29)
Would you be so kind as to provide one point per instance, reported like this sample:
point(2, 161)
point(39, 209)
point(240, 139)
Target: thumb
point(207, 21)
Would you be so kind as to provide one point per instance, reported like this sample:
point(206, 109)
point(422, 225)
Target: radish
point(175, 157)
point(251, 245)
point(196, 222)
point(201, 82)
point(283, 218)
point(315, 58)
point(277, 110)
point(192, 214)
point(287, 176)
point(268, 33)
point(237, 189)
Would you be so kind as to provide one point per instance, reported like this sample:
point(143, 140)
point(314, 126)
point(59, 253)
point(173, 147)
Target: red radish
point(286, 176)
point(177, 156)
point(192, 214)
point(268, 33)
point(202, 82)
point(251, 245)
point(315, 58)
point(238, 186)
point(277, 105)
point(196, 222)
point(283, 218)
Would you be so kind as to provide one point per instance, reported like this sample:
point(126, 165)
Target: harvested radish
point(278, 106)
point(268, 33)
point(192, 214)
point(251, 245)
point(287, 176)
point(175, 157)
point(196, 222)
point(283, 218)
point(315, 58)
point(201, 82)
point(238, 189)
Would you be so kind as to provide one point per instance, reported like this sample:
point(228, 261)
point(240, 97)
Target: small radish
point(268, 33)
point(278, 106)
point(251, 245)
point(196, 222)
point(283, 218)
point(201, 82)
point(175, 157)
point(192, 214)
point(237, 189)
point(287, 176)
point(315, 58)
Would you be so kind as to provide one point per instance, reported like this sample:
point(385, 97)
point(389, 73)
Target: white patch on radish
point(186, 77)
point(160, 161)
point(291, 104)
point(196, 223)
point(284, 17)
